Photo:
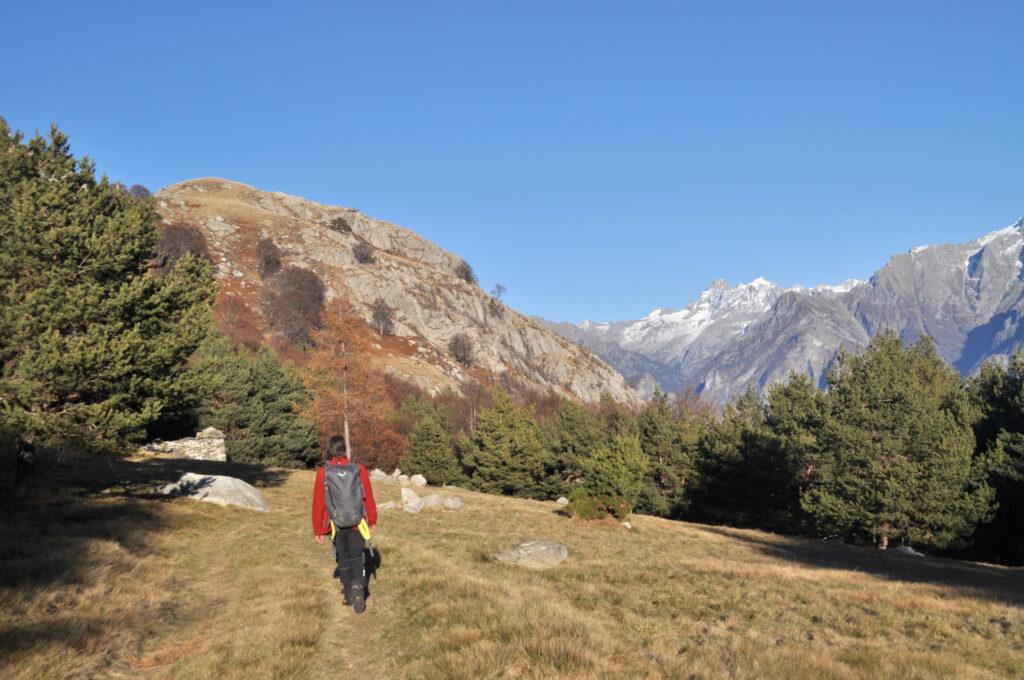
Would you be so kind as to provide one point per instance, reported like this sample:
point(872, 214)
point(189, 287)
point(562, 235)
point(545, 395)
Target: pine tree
point(572, 436)
point(431, 453)
point(998, 396)
point(256, 401)
point(670, 464)
point(734, 465)
point(504, 453)
point(897, 458)
point(613, 476)
point(93, 340)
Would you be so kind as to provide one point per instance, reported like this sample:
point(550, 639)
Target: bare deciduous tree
point(340, 225)
point(498, 291)
point(175, 241)
point(461, 347)
point(465, 272)
point(381, 318)
point(293, 302)
point(363, 252)
point(269, 256)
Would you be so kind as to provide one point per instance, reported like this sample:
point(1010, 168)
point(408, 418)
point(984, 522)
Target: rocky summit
point(419, 281)
point(969, 298)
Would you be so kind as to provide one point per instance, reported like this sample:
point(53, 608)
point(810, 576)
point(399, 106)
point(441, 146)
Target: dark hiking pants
point(348, 551)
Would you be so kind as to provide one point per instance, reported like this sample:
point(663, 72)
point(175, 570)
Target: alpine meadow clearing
point(101, 579)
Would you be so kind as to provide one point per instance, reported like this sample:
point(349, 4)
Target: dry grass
point(149, 588)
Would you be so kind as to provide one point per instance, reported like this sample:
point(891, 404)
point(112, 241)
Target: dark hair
point(336, 446)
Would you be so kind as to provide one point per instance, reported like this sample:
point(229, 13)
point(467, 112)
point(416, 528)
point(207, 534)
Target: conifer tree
point(504, 453)
point(670, 464)
point(731, 466)
point(613, 476)
point(256, 401)
point(998, 396)
point(92, 340)
point(572, 436)
point(897, 458)
point(431, 453)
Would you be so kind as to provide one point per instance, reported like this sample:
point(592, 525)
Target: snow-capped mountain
point(968, 297)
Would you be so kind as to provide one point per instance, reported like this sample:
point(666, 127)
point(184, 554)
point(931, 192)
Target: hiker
point(342, 499)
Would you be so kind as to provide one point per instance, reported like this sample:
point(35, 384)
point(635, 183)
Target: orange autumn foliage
point(342, 381)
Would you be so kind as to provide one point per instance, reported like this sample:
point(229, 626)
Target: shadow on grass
point(1001, 584)
point(82, 520)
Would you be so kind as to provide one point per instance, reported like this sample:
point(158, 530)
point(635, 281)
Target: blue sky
point(597, 158)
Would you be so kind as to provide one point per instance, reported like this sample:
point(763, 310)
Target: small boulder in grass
point(418, 480)
point(906, 550)
point(432, 501)
point(404, 480)
point(377, 475)
point(562, 500)
point(453, 503)
point(411, 502)
point(534, 554)
point(627, 525)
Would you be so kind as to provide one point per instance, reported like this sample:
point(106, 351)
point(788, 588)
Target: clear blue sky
point(598, 158)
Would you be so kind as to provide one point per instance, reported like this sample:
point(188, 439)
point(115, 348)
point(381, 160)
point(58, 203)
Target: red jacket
point(321, 520)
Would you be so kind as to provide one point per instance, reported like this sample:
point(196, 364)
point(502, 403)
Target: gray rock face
point(534, 554)
point(417, 279)
point(969, 298)
point(218, 489)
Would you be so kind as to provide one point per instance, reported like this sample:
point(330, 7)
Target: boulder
point(905, 550)
point(404, 480)
point(627, 525)
point(411, 501)
point(418, 480)
point(453, 503)
point(562, 500)
point(219, 489)
point(397, 473)
point(534, 554)
point(432, 501)
point(377, 475)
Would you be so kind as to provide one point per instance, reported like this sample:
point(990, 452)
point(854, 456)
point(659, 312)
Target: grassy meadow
point(107, 581)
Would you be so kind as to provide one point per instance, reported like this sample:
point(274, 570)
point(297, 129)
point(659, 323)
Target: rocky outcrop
point(206, 445)
point(419, 281)
point(218, 489)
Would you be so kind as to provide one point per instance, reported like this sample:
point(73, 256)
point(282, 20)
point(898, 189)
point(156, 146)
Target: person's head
point(336, 446)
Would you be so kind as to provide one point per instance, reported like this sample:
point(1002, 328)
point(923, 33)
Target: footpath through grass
point(109, 583)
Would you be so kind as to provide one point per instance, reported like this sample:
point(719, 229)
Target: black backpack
point(343, 491)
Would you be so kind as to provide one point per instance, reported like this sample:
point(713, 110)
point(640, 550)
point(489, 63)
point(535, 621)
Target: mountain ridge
point(968, 297)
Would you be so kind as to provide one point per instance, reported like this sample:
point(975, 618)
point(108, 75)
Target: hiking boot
point(358, 600)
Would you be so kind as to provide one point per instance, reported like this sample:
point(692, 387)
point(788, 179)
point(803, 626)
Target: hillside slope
point(415, 278)
point(108, 583)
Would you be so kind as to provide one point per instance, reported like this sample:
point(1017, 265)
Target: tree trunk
point(25, 467)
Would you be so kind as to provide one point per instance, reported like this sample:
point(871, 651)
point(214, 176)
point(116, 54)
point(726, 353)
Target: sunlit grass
point(188, 590)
